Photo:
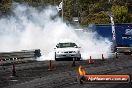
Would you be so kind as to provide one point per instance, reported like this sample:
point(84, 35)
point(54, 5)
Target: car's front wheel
point(78, 59)
point(55, 56)
point(56, 59)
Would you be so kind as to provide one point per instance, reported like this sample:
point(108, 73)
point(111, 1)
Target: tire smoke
point(30, 28)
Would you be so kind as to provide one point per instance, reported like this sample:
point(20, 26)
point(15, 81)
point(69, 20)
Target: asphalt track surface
point(63, 75)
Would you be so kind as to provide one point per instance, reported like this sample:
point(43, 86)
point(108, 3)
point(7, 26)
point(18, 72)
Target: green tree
point(68, 9)
point(90, 11)
point(120, 14)
point(5, 5)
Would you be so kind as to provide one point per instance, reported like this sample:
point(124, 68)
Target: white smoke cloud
point(30, 28)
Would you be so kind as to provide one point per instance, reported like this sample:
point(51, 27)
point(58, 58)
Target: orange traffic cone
point(102, 57)
point(50, 66)
point(13, 70)
point(1, 62)
point(73, 63)
point(90, 61)
point(116, 55)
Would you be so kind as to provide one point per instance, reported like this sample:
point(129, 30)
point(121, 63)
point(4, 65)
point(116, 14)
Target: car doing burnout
point(67, 51)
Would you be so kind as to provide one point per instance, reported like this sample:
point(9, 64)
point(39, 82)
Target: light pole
point(62, 10)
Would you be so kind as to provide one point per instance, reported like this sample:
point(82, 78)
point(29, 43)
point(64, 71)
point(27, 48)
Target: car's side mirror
point(75, 47)
point(79, 47)
point(57, 46)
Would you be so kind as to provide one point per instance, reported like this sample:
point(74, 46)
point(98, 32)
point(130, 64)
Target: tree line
point(88, 11)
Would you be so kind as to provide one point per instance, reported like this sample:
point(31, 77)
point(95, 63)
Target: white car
point(67, 51)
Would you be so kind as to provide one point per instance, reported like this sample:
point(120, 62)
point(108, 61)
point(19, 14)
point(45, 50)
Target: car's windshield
point(65, 45)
